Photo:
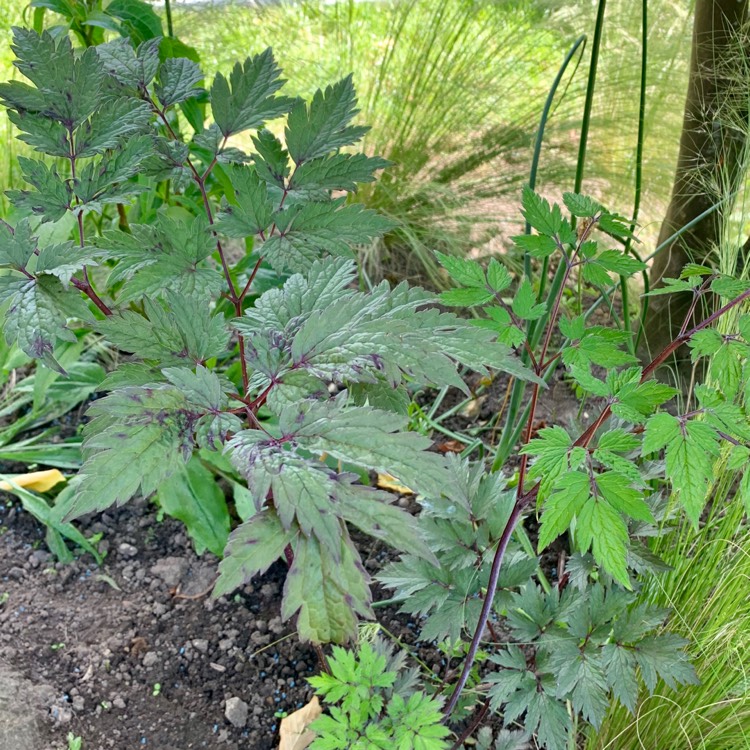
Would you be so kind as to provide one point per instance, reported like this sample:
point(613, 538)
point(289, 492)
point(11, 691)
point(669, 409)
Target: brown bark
point(710, 160)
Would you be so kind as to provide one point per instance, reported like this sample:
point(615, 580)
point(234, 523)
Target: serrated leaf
point(618, 440)
point(39, 312)
point(63, 260)
point(17, 245)
point(704, 343)
point(69, 85)
point(247, 100)
point(306, 231)
point(178, 81)
point(555, 453)
point(168, 255)
point(536, 245)
point(616, 490)
point(137, 438)
point(323, 126)
point(41, 133)
point(620, 263)
point(466, 297)
point(110, 124)
point(498, 276)
point(192, 496)
point(664, 655)
point(581, 205)
point(574, 329)
point(619, 665)
point(52, 196)
point(336, 172)
point(183, 333)
point(571, 494)
point(252, 548)
point(133, 68)
point(371, 512)
point(105, 179)
point(601, 528)
point(546, 219)
point(253, 210)
point(524, 303)
point(466, 272)
point(272, 159)
point(328, 593)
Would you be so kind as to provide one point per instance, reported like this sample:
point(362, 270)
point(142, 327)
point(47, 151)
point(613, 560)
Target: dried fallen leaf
point(40, 481)
point(293, 732)
point(387, 482)
point(450, 446)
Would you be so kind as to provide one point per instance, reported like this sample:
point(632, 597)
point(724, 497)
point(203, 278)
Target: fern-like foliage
point(108, 116)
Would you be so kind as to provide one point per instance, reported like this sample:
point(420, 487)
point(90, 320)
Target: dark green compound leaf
point(51, 197)
point(41, 133)
point(106, 179)
point(138, 437)
point(178, 81)
point(663, 656)
point(182, 333)
point(324, 125)
point(167, 256)
point(17, 245)
point(252, 548)
point(110, 125)
point(192, 496)
point(63, 260)
point(328, 593)
point(39, 312)
point(336, 172)
point(132, 68)
point(620, 669)
point(271, 160)
point(205, 390)
point(339, 334)
point(69, 85)
point(253, 210)
point(247, 100)
point(308, 231)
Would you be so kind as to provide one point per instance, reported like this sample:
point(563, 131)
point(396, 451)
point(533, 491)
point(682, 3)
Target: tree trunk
point(711, 156)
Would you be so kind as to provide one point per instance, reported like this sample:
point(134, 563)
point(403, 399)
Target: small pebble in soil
point(236, 712)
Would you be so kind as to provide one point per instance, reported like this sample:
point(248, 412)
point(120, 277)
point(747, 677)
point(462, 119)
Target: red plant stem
point(472, 727)
point(200, 181)
point(88, 290)
point(587, 436)
point(244, 292)
point(85, 286)
point(484, 615)
point(535, 394)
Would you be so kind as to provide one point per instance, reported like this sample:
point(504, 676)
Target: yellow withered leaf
point(39, 481)
point(293, 732)
point(387, 482)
